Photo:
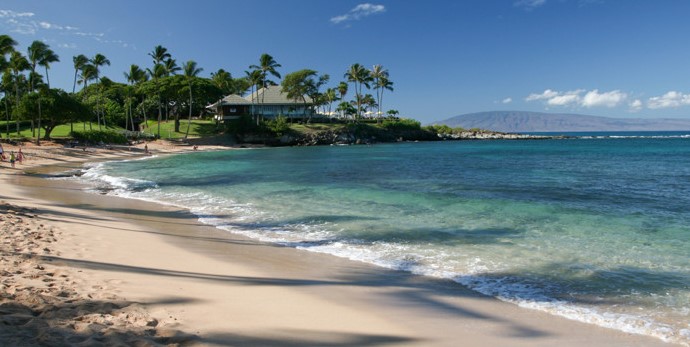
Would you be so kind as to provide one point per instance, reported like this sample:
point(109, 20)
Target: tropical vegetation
point(164, 92)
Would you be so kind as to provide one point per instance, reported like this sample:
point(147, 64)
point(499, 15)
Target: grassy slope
point(199, 128)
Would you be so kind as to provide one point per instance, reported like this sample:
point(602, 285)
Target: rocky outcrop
point(369, 135)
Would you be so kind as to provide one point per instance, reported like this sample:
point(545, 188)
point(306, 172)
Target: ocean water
point(595, 229)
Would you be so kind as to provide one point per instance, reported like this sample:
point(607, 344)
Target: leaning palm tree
point(79, 62)
point(358, 75)
point(190, 72)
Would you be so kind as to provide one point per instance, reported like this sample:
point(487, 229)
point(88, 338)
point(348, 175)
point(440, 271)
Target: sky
point(609, 58)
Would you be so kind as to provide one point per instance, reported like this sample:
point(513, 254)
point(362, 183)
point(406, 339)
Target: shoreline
point(227, 289)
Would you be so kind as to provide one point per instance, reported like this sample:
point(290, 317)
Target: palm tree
point(88, 73)
point(48, 57)
point(6, 47)
point(97, 61)
point(382, 84)
point(330, 96)
point(34, 54)
point(377, 73)
point(254, 78)
point(6, 44)
point(79, 62)
point(342, 90)
point(267, 65)
point(171, 69)
point(159, 54)
point(134, 76)
point(358, 75)
point(190, 72)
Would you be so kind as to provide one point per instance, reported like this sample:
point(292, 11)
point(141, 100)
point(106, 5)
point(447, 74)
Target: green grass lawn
point(199, 128)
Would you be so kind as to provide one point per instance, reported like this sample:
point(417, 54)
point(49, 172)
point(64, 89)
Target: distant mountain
point(518, 121)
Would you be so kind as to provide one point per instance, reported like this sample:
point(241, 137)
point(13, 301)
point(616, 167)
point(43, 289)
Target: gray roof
point(232, 99)
point(273, 95)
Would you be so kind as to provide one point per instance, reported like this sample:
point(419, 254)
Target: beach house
point(267, 103)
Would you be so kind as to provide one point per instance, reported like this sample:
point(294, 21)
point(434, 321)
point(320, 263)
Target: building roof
point(273, 95)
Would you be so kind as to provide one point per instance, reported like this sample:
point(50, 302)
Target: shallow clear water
point(594, 229)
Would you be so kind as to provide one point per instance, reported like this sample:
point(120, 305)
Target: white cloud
point(13, 14)
point(636, 105)
point(360, 11)
point(565, 99)
point(507, 100)
point(607, 99)
point(547, 94)
point(529, 4)
point(669, 100)
point(579, 97)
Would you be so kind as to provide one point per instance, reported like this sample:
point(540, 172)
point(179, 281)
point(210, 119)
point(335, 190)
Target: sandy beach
point(85, 269)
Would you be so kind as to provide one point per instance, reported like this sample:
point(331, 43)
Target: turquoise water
point(595, 229)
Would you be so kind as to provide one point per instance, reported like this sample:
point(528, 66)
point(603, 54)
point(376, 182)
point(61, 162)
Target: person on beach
point(2, 153)
point(146, 148)
point(12, 158)
point(20, 156)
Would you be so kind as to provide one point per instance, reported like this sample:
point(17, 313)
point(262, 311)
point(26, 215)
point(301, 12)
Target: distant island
point(522, 122)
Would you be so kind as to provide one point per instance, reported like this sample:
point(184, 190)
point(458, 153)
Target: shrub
point(402, 124)
point(97, 136)
point(278, 126)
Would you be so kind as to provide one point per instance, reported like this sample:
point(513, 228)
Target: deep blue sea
point(595, 228)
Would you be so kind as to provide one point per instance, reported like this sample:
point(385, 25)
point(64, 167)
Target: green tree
point(6, 47)
point(296, 85)
point(59, 107)
point(134, 76)
point(97, 61)
point(254, 79)
point(359, 76)
point(191, 71)
point(267, 65)
point(330, 96)
point(381, 83)
point(79, 62)
point(46, 59)
point(160, 55)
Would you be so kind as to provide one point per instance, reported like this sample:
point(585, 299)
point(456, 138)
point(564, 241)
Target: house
point(268, 102)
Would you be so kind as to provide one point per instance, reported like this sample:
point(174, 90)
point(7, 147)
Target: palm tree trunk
point(189, 119)
point(7, 113)
point(74, 86)
point(38, 138)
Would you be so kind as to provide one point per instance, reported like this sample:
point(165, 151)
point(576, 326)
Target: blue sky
point(601, 57)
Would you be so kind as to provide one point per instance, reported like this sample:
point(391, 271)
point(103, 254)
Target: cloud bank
point(360, 11)
point(580, 98)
